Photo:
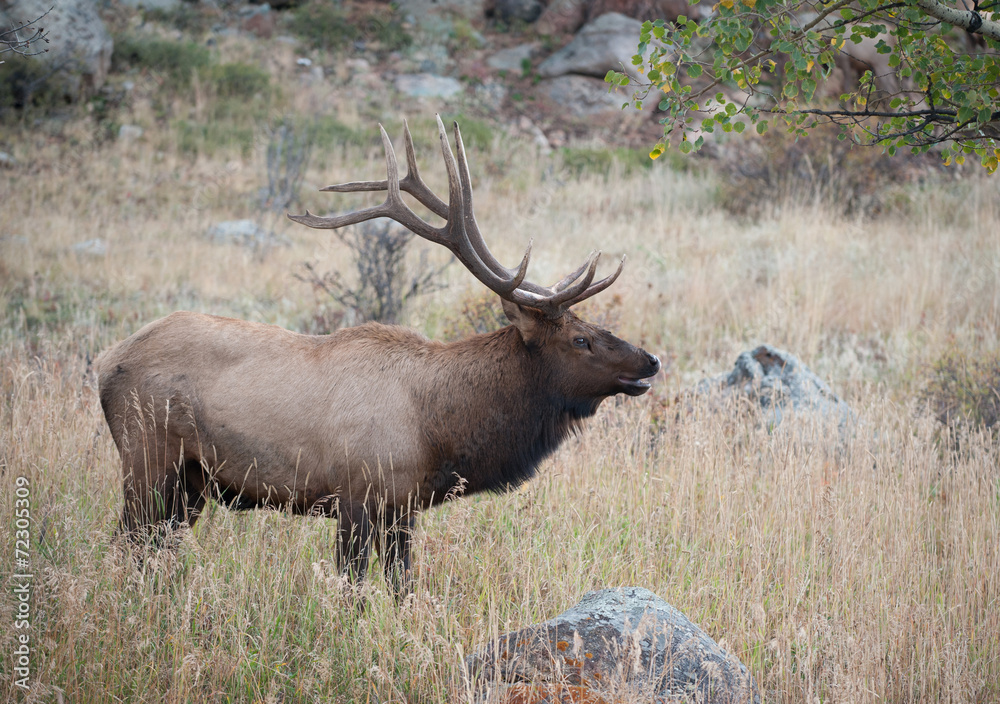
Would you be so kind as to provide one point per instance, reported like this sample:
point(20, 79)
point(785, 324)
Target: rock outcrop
point(609, 42)
point(79, 45)
point(616, 645)
point(777, 383)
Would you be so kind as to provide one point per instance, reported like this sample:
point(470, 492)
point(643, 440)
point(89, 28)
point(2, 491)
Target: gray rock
point(94, 248)
point(428, 85)
point(424, 9)
point(162, 5)
point(622, 644)
point(583, 96)
point(776, 382)
point(79, 48)
point(245, 233)
point(514, 58)
point(491, 94)
point(7, 161)
point(562, 17)
point(608, 42)
point(130, 133)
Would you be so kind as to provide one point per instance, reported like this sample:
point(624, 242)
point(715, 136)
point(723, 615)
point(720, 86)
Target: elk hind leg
point(162, 491)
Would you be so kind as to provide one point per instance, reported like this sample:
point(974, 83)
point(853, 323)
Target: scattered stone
point(422, 10)
point(616, 645)
point(94, 248)
point(258, 20)
point(609, 42)
point(427, 85)
point(7, 161)
point(777, 383)
point(79, 48)
point(130, 133)
point(356, 66)
point(514, 58)
point(582, 96)
point(491, 94)
point(245, 233)
point(161, 5)
point(303, 61)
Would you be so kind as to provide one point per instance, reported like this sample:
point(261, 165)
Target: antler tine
point(393, 207)
point(599, 286)
point(570, 278)
point(472, 227)
point(571, 292)
point(457, 230)
point(411, 184)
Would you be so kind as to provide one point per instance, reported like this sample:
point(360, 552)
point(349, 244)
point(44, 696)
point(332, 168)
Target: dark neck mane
point(500, 415)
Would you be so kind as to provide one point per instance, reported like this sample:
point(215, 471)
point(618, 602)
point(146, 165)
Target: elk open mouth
point(634, 386)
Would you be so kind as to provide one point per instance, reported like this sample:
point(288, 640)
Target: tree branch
point(970, 21)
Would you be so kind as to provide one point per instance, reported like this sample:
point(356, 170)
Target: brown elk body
point(367, 424)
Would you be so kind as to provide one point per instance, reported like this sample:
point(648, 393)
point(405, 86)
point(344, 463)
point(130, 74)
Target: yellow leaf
point(750, 3)
point(726, 3)
point(666, 88)
point(809, 65)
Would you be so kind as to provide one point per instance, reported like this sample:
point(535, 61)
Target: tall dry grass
point(860, 568)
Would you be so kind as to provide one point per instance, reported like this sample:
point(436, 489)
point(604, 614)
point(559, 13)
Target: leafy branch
point(759, 62)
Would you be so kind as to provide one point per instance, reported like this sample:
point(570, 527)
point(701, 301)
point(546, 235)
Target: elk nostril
point(654, 360)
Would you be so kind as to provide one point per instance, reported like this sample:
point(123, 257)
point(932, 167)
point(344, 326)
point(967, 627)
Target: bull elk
point(367, 424)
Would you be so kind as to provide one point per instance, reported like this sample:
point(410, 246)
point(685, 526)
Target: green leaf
point(694, 70)
point(762, 127)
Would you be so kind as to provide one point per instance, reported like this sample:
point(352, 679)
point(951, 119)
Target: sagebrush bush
point(239, 81)
point(325, 25)
point(25, 83)
point(778, 167)
point(965, 390)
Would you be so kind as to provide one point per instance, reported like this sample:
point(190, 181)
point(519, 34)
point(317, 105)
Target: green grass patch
point(176, 61)
point(580, 162)
point(239, 81)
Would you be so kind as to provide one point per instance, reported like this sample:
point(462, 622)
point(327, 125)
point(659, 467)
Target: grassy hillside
point(861, 569)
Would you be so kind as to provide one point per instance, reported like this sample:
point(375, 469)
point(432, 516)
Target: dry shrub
point(761, 174)
point(965, 391)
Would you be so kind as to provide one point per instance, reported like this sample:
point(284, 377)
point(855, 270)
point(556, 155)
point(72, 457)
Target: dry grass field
point(859, 568)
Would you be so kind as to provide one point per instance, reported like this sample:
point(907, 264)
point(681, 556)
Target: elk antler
point(460, 233)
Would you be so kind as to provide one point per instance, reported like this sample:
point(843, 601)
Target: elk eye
point(580, 342)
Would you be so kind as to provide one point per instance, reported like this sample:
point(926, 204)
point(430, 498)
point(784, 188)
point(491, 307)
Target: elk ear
point(528, 321)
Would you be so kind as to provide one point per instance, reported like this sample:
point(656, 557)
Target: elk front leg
point(394, 549)
point(354, 536)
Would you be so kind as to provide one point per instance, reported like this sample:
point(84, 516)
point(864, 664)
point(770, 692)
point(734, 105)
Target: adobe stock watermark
point(21, 583)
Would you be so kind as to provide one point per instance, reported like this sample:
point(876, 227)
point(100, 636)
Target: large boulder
point(777, 383)
point(616, 645)
point(428, 85)
point(562, 17)
point(609, 42)
point(79, 46)
point(582, 96)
